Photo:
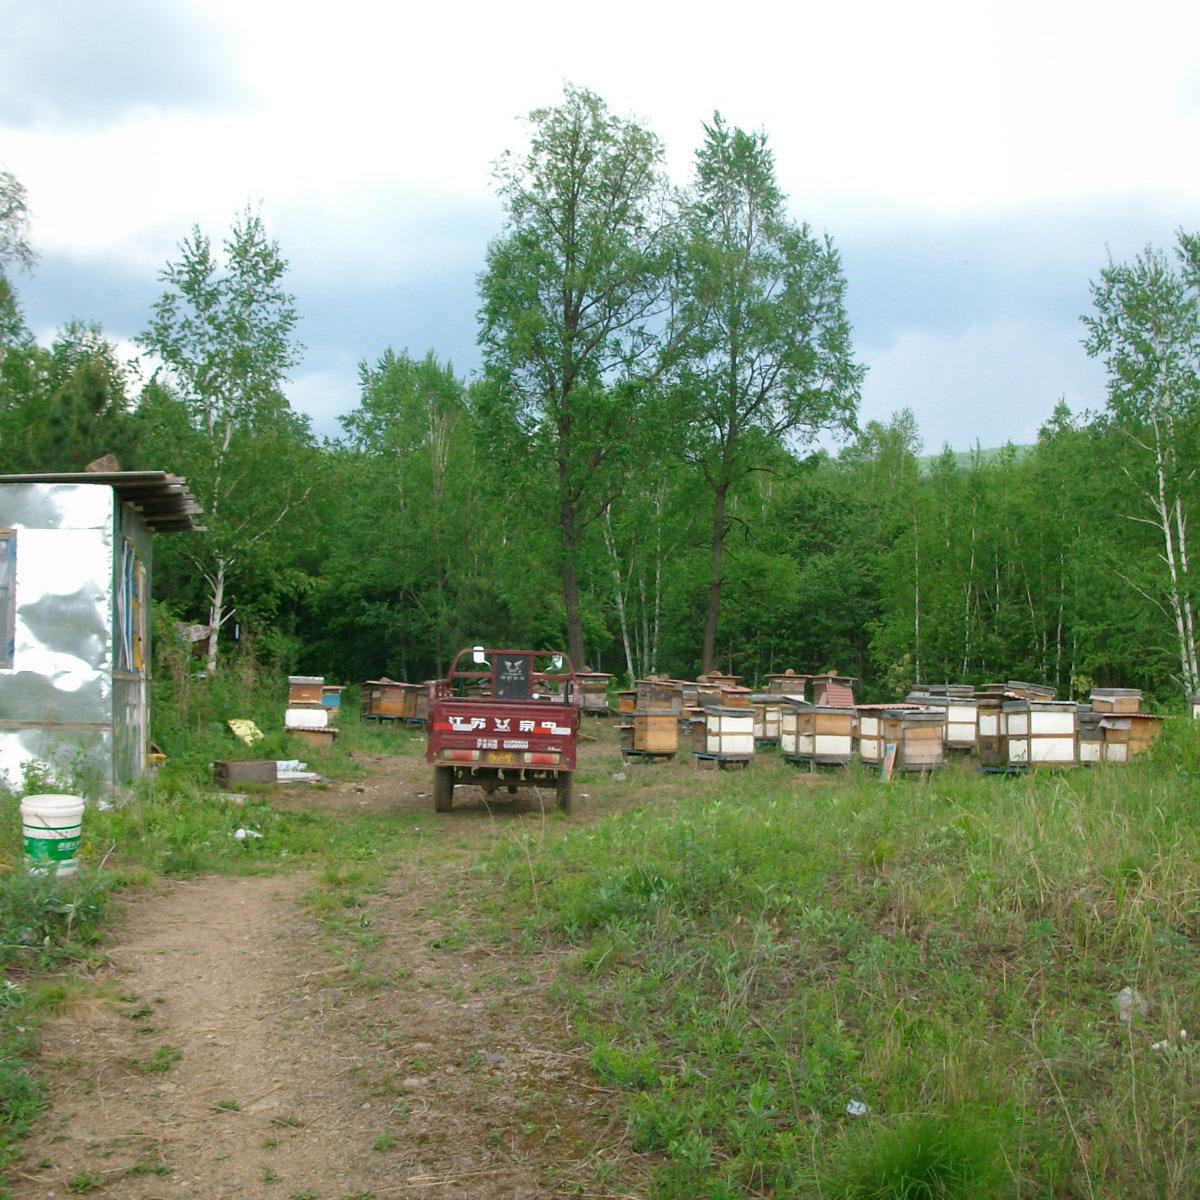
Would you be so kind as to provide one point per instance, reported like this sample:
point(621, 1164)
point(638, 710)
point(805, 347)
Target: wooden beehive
point(1091, 736)
point(655, 733)
point(331, 698)
point(304, 689)
point(788, 683)
point(1042, 733)
point(1030, 691)
point(818, 734)
point(626, 702)
point(733, 696)
point(919, 736)
point(389, 699)
point(991, 732)
point(658, 696)
point(593, 691)
point(767, 712)
point(833, 691)
point(1116, 700)
point(1144, 731)
point(321, 739)
point(724, 733)
point(869, 732)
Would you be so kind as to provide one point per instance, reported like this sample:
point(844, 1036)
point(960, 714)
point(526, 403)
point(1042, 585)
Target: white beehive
point(725, 733)
point(1042, 733)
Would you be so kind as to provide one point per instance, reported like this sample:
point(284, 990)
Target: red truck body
point(521, 730)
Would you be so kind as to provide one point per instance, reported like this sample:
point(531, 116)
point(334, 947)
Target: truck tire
point(443, 788)
point(562, 786)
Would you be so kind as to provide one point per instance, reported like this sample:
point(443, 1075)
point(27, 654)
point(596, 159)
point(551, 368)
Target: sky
point(975, 163)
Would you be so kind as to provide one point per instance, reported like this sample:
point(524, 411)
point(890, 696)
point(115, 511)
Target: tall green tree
point(1146, 329)
point(574, 296)
point(224, 331)
point(16, 251)
point(768, 359)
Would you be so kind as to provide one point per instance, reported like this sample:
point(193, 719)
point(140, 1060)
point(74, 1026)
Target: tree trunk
point(216, 615)
point(570, 581)
point(709, 658)
point(618, 591)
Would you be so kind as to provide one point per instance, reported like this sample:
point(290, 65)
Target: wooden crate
point(724, 732)
point(232, 774)
point(656, 733)
point(919, 736)
point(305, 689)
point(1116, 700)
point(1042, 733)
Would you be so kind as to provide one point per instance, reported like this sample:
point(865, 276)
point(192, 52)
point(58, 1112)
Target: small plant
point(158, 1063)
point(268, 1176)
point(305, 1194)
point(287, 1122)
point(83, 1182)
point(385, 1141)
point(228, 1106)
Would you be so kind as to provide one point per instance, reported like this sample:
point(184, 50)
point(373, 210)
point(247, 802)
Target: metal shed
point(75, 567)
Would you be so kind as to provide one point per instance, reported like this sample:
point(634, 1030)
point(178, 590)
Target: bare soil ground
point(234, 1055)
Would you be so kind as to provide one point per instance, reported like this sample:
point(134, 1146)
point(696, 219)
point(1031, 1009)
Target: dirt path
point(229, 1053)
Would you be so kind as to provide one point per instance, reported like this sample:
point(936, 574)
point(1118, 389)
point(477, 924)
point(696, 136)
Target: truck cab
point(504, 719)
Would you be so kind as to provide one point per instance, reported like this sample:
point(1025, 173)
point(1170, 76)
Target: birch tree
point(1146, 329)
point(573, 300)
point(223, 333)
point(768, 358)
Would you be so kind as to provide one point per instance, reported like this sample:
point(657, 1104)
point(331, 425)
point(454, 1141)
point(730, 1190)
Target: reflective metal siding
point(56, 702)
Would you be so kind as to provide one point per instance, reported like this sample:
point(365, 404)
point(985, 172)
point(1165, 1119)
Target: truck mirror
point(557, 662)
point(478, 655)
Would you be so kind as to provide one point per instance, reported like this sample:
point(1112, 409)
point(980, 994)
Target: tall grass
point(948, 954)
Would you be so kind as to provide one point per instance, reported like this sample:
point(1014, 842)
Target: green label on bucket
point(51, 849)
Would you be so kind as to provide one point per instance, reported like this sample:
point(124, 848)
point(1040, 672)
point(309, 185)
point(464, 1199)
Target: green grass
point(948, 953)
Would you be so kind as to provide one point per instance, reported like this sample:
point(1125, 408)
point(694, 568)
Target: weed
point(385, 1141)
point(228, 1106)
point(161, 1061)
point(84, 1182)
point(266, 1175)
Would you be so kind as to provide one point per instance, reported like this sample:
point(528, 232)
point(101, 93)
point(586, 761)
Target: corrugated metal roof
point(162, 499)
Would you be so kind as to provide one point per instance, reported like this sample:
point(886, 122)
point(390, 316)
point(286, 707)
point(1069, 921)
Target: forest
point(641, 468)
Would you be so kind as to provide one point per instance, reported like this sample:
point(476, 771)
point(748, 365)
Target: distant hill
point(963, 457)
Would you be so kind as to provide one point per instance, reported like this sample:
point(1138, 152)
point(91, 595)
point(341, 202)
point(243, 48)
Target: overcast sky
point(975, 163)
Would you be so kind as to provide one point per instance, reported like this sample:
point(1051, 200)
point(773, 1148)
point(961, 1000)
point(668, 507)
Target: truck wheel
point(562, 785)
point(443, 788)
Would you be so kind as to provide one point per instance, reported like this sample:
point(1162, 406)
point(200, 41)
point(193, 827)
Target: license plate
point(501, 756)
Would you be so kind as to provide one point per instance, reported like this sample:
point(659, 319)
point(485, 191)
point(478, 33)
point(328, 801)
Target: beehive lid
point(307, 679)
point(1117, 693)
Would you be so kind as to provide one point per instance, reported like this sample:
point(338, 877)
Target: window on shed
point(8, 596)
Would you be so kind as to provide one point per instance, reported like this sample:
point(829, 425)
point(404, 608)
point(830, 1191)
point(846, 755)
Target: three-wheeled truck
point(504, 719)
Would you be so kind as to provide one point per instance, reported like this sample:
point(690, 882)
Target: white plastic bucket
point(52, 825)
